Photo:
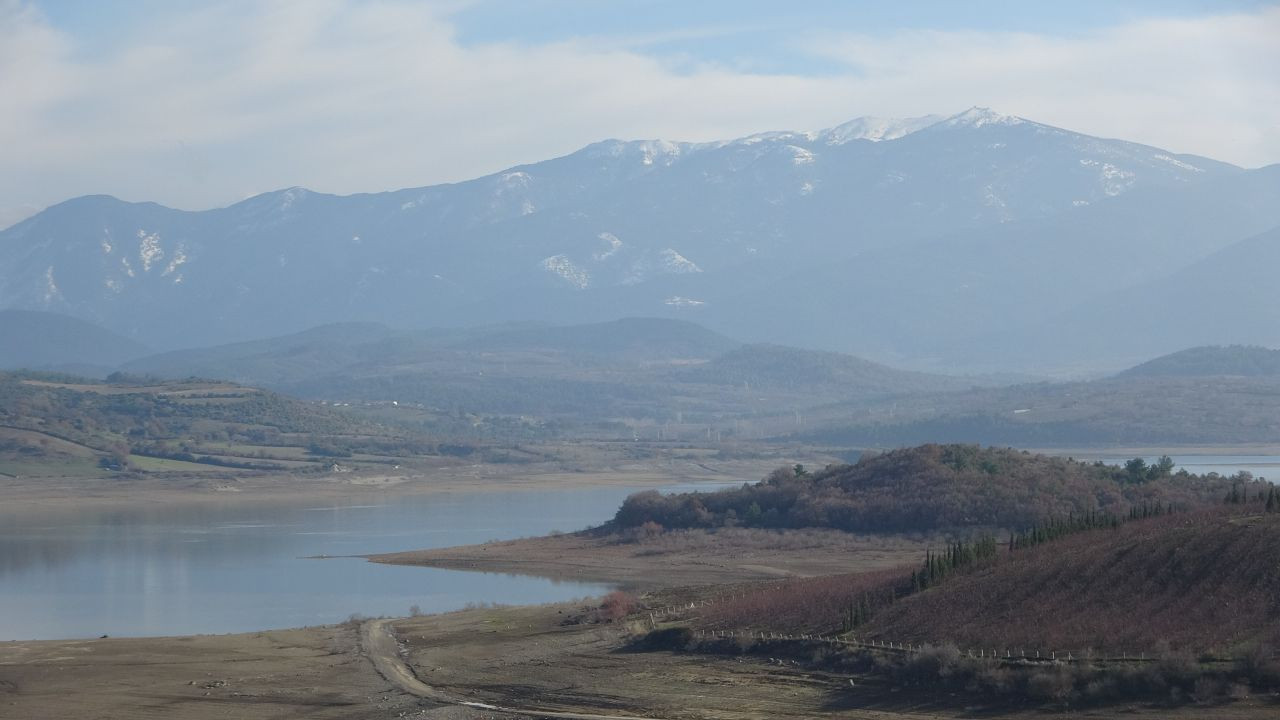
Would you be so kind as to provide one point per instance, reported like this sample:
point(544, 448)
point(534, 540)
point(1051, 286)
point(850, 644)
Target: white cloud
point(202, 109)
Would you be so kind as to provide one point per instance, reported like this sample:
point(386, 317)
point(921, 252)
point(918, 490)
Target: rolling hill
point(1204, 582)
point(1225, 298)
point(765, 367)
point(44, 340)
point(53, 424)
point(1132, 409)
point(929, 488)
point(634, 369)
point(1212, 361)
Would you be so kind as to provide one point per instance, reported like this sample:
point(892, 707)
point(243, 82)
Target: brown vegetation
point(930, 488)
point(1201, 582)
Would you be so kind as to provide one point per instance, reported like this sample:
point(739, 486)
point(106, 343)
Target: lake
point(1261, 466)
point(238, 567)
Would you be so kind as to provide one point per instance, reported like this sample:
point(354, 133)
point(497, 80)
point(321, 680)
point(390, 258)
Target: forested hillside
point(1236, 360)
point(932, 488)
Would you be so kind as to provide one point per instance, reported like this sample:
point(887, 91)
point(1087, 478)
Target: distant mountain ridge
point(36, 340)
point(1234, 360)
point(642, 370)
point(782, 237)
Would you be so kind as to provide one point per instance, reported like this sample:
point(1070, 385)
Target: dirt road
point(384, 652)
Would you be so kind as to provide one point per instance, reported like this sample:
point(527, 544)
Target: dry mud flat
point(537, 662)
point(674, 559)
point(311, 673)
point(541, 661)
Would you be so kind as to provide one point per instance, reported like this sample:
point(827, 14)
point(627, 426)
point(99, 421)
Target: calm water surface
point(1262, 466)
point(237, 567)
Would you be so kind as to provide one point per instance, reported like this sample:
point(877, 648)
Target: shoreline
point(40, 494)
point(673, 559)
point(61, 493)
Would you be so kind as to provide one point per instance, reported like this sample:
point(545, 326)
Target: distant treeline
point(936, 487)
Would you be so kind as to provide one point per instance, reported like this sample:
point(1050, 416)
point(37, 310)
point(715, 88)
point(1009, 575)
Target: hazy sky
point(197, 105)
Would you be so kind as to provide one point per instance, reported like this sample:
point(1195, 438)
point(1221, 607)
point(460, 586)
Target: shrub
point(616, 605)
point(675, 638)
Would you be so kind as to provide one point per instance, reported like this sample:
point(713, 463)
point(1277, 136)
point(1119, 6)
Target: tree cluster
point(959, 555)
point(1056, 528)
point(930, 488)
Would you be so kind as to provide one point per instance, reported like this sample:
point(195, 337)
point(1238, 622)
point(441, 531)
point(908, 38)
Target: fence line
point(1007, 655)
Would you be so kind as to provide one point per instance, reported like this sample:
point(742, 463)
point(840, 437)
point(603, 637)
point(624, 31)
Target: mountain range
point(974, 242)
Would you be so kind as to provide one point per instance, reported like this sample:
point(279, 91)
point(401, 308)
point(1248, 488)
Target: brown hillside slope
point(1204, 582)
point(929, 488)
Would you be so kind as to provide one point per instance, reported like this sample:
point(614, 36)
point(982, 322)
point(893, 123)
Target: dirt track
point(383, 650)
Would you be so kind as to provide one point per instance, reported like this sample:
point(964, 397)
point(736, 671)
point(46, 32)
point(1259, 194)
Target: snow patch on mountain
point(179, 258)
point(291, 196)
point(976, 117)
point(1115, 180)
point(662, 151)
point(51, 290)
point(517, 180)
point(648, 152)
point(674, 262)
point(149, 250)
point(800, 156)
point(1177, 163)
point(614, 246)
point(562, 266)
point(105, 242)
point(876, 129)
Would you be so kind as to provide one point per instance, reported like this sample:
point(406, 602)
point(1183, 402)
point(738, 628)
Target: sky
point(198, 105)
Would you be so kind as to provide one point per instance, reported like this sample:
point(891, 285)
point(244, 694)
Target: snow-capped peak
point(978, 116)
point(876, 129)
point(648, 152)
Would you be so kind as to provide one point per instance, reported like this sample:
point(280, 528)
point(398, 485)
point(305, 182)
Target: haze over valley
point(479, 360)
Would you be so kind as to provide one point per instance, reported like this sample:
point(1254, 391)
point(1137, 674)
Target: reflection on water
point(236, 567)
